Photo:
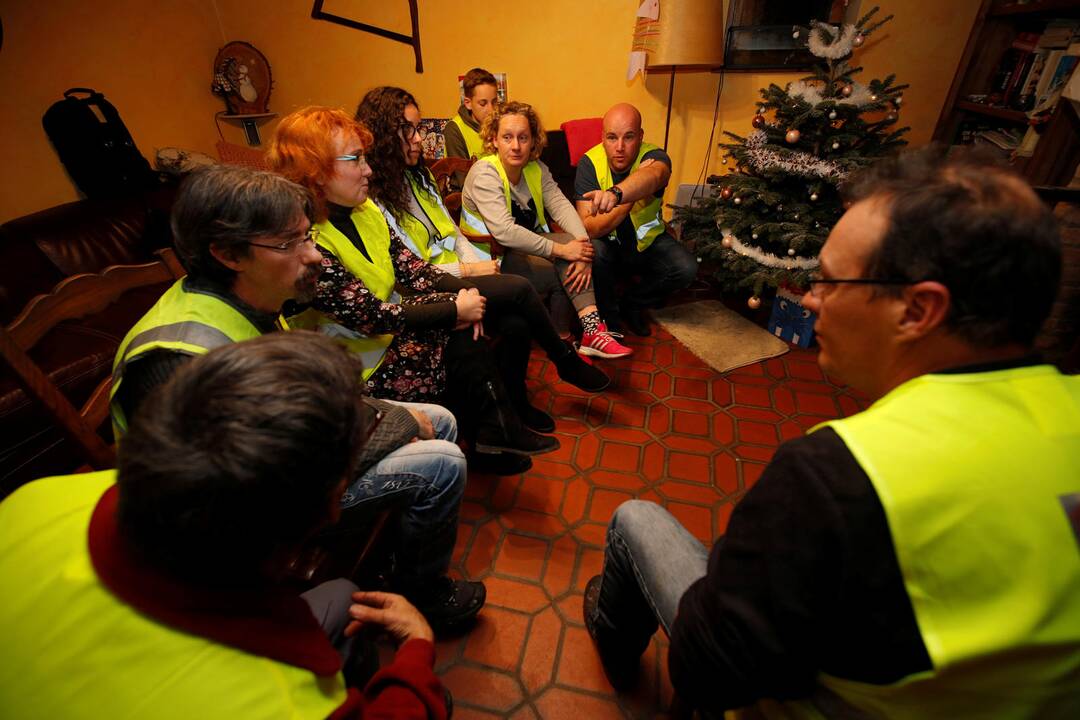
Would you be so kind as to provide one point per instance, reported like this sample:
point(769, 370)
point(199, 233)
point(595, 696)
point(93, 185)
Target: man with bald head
point(620, 190)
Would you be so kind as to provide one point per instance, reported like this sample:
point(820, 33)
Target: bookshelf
point(999, 26)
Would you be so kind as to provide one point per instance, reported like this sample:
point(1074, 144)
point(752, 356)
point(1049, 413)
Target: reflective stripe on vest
point(974, 472)
point(114, 661)
point(472, 138)
point(377, 275)
point(181, 321)
point(441, 250)
point(647, 214)
point(473, 225)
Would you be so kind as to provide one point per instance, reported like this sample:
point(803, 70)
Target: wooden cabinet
point(998, 24)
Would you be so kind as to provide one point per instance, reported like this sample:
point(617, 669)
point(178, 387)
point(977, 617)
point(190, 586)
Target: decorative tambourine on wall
point(242, 78)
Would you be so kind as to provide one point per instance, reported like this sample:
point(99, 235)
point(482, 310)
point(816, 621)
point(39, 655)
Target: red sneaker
point(603, 344)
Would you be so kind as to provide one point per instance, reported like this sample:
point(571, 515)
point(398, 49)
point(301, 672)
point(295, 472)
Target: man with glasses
point(247, 242)
point(918, 559)
point(619, 189)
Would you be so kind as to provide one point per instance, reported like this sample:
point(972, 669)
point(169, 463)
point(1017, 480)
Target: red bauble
point(758, 121)
point(792, 136)
point(725, 193)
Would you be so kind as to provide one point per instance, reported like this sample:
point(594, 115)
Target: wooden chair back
point(76, 297)
point(444, 170)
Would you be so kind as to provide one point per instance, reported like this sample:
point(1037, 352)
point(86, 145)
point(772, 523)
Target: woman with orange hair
point(424, 344)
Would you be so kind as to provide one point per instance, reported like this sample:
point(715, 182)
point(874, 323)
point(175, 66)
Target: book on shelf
point(1058, 71)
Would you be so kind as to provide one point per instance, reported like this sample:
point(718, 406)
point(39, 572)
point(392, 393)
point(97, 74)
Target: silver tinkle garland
point(768, 259)
point(804, 164)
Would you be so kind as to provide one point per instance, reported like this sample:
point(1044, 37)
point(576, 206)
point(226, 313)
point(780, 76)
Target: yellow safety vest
point(190, 323)
point(473, 225)
point(472, 138)
point(440, 250)
point(73, 650)
point(647, 214)
point(974, 472)
point(377, 275)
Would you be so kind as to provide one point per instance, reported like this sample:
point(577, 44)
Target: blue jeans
point(649, 562)
point(428, 477)
point(665, 267)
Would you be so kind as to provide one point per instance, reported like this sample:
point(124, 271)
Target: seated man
point(461, 134)
point(918, 559)
point(154, 590)
point(245, 239)
point(620, 191)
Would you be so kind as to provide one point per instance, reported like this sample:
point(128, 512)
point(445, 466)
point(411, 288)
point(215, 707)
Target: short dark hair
point(963, 219)
point(234, 461)
point(228, 206)
point(477, 76)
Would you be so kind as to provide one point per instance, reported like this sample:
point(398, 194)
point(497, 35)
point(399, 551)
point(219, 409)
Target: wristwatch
point(617, 192)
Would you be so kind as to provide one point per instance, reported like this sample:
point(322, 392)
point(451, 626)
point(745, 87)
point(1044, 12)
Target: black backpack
point(95, 146)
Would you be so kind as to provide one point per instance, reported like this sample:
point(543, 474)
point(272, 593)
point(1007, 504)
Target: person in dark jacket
point(918, 559)
point(157, 589)
point(245, 237)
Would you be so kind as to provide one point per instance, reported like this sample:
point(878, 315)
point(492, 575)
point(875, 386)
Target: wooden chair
point(444, 171)
point(76, 297)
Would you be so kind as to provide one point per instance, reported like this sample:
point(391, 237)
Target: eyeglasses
point(408, 130)
point(292, 244)
point(361, 158)
point(818, 284)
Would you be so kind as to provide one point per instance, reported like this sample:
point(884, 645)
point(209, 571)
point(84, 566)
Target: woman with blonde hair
point(425, 344)
point(510, 195)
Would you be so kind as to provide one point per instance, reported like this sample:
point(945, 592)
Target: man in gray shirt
point(619, 190)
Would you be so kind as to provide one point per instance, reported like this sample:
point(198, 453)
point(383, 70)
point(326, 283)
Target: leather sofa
point(37, 251)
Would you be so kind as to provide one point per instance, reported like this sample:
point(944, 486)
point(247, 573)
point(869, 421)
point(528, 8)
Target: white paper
point(637, 64)
point(649, 9)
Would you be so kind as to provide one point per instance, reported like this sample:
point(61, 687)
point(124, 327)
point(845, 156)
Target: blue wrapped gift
point(790, 320)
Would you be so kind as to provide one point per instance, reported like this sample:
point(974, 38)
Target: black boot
point(446, 603)
point(502, 464)
point(501, 429)
point(574, 370)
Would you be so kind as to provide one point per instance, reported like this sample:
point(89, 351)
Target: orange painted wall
point(567, 57)
point(151, 59)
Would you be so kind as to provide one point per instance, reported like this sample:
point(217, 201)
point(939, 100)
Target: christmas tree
point(765, 223)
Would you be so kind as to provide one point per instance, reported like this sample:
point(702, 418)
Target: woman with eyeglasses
point(424, 344)
point(510, 195)
point(403, 187)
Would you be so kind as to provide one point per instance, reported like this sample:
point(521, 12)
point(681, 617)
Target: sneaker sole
point(486, 449)
point(592, 352)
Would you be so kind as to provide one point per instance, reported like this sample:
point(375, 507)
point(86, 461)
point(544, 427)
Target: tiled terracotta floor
point(671, 430)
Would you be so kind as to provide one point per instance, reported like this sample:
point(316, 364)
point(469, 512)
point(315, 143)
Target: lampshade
point(689, 33)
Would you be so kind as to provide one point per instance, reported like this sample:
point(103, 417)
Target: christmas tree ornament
point(791, 251)
point(758, 121)
point(796, 217)
point(858, 40)
point(873, 97)
point(847, 90)
point(779, 207)
point(792, 136)
point(726, 242)
point(754, 302)
point(832, 114)
point(891, 117)
point(737, 201)
point(723, 160)
point(836, 146)
point(753, 236)
point(813, 196)
point(898, 99)
point(725, 193)
point(760, 109)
